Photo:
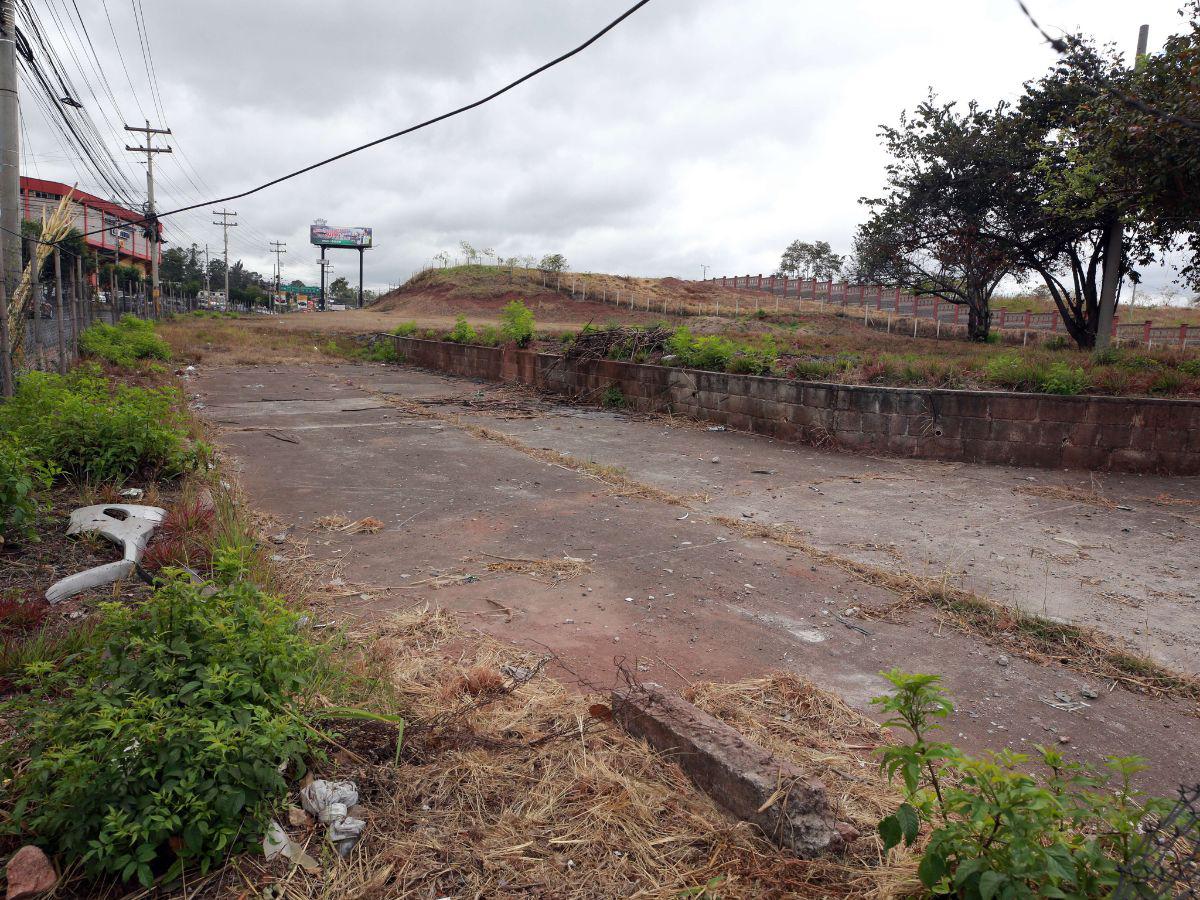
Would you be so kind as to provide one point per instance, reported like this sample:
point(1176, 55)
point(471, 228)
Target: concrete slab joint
point(746, 780)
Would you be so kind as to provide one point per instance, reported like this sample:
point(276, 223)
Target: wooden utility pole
point(152, 230)
point(1114, 253)
point(225, 226)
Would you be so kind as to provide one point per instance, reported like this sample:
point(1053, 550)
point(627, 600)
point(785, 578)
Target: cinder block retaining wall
point(1101, 433)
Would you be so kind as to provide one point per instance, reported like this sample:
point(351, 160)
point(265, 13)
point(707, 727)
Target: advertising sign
point(333, 236)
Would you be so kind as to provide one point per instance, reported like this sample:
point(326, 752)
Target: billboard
point(333, 236)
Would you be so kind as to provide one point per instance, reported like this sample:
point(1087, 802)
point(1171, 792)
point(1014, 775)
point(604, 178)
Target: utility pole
point(324, 264)
point(10, 185)
point(207, 281)
point(153, 231)
point(703, 272)
point(225, 225)
point(1114, 253)
point(278, 248)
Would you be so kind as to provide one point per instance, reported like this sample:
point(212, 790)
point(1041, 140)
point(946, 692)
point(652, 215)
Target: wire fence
point(50, 338)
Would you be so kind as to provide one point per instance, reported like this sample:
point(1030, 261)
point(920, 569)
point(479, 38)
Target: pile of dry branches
point(629, 342)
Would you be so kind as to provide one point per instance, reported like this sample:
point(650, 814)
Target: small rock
point(715, 459)
point(1064, 739)
point(1002, 660)
point(568, 621)
point(279, 538)
point(29, 873)
point(1088, 691)
point(298, 818)
point(1062, 696)
point(852, 611)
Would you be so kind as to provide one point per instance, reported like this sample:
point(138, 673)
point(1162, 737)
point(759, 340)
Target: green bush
point(21, 477)
point(996, 831)
point(405, 329)
point(1060, 378)
point(1190, 367)
point(1167, 382)
point(1010, 370)
point(383, 351)
point(489, 336)
point(91, 430)
point(613, 398)
point(462, 333)
point(516, 323)
point(161, 745)
point(758, 360)
point(813, 370)
point(126, 342)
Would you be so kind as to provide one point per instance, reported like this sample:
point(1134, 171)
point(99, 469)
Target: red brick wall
point(1102, 433)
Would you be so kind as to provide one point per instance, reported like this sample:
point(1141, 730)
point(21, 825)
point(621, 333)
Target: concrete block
point(740, 776)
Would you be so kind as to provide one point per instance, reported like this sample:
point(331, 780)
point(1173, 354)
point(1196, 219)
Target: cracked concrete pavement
point(679, 598)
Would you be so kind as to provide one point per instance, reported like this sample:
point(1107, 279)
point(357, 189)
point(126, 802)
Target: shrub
point(812, 370)
point(1167, 382)
point(613, 398)
point(126, 342)
point(462, 333)
point(1012, 371)
point(754, 360)
point(997, 831)
point(405, 329)
point(1190, 367)
point(87, 429)
point(1060, 378)
point(516, 323)
point(383, 351)
point(21, 477)
point(489, 336)
point(161, 744)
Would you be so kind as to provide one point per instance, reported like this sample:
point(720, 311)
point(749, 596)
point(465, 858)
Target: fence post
point(1146, 332)
point(937, 312)
point(1003, 317)
point(760, 279)
point(58, 313)
point(785, 280)
point(1182, 335)
point(1028, 316)
point(957, 308)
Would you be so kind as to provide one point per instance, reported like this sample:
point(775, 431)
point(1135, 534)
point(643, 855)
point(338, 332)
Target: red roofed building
point(112, 223)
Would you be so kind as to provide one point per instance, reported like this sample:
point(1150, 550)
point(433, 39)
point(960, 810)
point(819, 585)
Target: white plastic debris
point(329, 802)
point(276, 842)
point(133, 493)
point(126, 524)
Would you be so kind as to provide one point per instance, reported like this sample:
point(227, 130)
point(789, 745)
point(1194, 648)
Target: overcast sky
point(699, 132)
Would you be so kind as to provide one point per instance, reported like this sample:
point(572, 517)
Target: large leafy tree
point(936, 229)
point(816, 260)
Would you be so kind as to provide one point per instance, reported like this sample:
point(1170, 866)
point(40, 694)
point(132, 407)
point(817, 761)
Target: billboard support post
point(323, 278)
point(360, 273)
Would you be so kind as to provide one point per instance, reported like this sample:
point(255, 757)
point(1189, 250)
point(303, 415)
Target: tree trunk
point(979, 321)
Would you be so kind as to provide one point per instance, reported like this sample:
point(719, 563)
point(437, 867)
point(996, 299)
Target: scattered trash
point(1088, 692)
point(277, 843)
point(1064, 739)
point(715, 459)
point(133, 493)
point(330, 802)
point(762, 471)
point(1067, 705)
point(681, 518)
point(128, 525)
point(717, 428)
point(298, 818)
point(852, 611)
point(852, 626)
point(1002, 660)
point(1124, 508)
point(1063, 697)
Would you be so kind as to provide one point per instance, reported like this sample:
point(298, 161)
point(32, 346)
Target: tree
point(340, 289)
point(935, 229)
point(804, 260)
point(553, 262)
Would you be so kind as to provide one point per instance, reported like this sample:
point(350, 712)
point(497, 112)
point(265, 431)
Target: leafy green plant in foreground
point(995, 830)
point(125, 343)
point(462, 333)
point(21, 477)
point(92, 430)
point(516, 323)
point(160, 745)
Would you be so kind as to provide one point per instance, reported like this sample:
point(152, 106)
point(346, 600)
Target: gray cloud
point(698, 132)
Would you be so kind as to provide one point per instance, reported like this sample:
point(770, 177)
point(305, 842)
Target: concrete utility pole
point(10, 185)
point(1114, 253)
point(207, 281)
point(278, 248)
point(150, 150)
point(324, 264)
point(225, 225)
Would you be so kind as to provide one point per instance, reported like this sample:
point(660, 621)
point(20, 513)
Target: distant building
point(91, 213)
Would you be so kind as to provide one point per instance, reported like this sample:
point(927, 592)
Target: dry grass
point(509, 787)
point(250, 341)
point(1068, 494)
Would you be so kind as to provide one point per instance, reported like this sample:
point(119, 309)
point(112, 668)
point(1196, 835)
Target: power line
point(412, 128)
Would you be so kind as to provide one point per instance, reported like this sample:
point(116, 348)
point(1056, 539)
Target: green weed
point(130, 340)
